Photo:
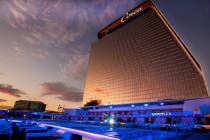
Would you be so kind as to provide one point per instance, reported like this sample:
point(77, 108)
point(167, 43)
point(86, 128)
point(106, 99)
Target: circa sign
point(128, 15)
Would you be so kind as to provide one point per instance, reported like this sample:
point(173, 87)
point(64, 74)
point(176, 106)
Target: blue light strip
point(84, 133)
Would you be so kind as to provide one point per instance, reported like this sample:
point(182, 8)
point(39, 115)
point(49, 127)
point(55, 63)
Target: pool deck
point(110, 132)
point(102, 132)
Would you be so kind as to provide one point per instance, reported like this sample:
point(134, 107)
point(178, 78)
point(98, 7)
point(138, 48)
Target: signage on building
point(124, 18)
point(162, 114)
point(131, 14)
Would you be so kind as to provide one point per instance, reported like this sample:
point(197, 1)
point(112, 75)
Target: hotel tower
point(140, 58)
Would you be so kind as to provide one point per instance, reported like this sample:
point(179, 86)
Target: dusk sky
point(44, 44)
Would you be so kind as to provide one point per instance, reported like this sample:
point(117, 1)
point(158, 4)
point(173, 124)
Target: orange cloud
point(62, 91)
point(2, 100)
point(10, 90)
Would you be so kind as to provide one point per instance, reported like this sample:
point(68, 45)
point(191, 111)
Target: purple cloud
point(76, 67)
point(62, 91)
point(10, 90)
point(66, 27)
point(18, 50)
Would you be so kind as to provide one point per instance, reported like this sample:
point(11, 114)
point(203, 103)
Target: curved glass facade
point(142, 61)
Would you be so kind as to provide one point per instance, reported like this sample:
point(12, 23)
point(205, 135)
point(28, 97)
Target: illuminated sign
point(128, 15)
point(162, 114)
